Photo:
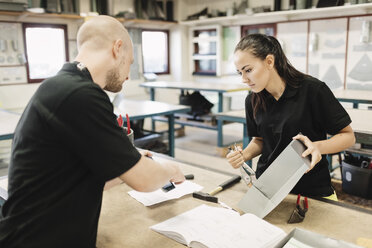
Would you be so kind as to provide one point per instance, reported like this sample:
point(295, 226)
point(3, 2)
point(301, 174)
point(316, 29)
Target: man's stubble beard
point(113, 82)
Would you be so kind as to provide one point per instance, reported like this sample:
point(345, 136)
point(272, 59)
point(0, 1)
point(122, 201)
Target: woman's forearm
point(337, 143)
point(253, 149)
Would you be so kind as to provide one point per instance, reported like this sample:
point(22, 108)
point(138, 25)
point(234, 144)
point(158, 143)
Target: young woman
point(283, 103)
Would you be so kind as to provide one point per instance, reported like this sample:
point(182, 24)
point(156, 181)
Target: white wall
point(16, 96)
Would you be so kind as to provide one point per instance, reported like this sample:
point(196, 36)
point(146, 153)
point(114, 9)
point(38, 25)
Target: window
point(46, 50)
point(155, 51)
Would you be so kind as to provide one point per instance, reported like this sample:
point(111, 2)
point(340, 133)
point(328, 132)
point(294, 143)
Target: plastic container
point(356, 181)
point(130, 135)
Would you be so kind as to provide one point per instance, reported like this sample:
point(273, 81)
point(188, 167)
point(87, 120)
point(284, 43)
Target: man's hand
point(146, 153)
point(178, 176)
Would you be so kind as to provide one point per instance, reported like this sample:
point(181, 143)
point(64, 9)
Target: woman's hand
point(235, 158)
point(312, 150)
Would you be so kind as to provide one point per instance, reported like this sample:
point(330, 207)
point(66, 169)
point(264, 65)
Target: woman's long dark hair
point(260, 45)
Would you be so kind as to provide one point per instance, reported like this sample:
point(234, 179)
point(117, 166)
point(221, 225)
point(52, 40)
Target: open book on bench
point(206, 226)
point(217, 227)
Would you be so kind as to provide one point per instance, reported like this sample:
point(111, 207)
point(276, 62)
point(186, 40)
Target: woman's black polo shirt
point(310, 109)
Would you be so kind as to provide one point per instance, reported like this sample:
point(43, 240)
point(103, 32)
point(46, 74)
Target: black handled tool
point(169, 186)
point(210, 196)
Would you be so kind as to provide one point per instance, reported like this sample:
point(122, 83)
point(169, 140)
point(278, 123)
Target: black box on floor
point(356, 181)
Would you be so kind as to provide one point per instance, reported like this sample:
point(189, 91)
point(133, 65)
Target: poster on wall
point(359, 59)
point(12, 58)
point(327, 51)
point(230, 38)
point(293, 38)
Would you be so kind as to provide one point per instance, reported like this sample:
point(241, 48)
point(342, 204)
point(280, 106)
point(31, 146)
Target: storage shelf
point(207, 39)
point(141, 23)
point(24, 14)
point(204, 57)
point(133, 23)
point(288, 15)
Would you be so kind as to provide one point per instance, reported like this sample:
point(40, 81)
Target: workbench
point(354, 96)
point(8, 123)
point(138, 110)
point(219, 88)
point(125, 222)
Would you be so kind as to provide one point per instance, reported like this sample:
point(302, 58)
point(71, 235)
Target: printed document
point(151, 198)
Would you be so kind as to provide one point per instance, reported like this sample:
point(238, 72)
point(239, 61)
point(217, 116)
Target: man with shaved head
point(67, 145)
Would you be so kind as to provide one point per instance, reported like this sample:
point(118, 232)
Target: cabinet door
point(293, 38)
point(359, 57)
point(327, 51)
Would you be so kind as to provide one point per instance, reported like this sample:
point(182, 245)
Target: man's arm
point(148, 175)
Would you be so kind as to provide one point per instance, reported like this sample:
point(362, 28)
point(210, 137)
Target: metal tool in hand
point(247, 173)
point(299, 212)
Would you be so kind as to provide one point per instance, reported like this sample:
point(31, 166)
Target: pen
point(128, 124)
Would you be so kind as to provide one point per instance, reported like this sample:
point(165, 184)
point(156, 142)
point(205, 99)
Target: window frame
point(42, 25)
point(168, 49)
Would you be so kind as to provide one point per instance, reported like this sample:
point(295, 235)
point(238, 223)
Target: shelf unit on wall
point(284, 16)
point(147, 24)
point(25, 14)
point(132, 23)
point(205, 46)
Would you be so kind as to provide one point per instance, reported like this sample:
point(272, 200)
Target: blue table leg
point(355, 105)
point(220, 102)
point(152, 94)
point(171, 134)
point(219, 133)
point(246, 139)
point(152, 98)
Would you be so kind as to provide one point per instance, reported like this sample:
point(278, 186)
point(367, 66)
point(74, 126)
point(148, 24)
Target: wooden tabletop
point(125, 222)
point(202, 86)
point(142, 109)
point(8, 123)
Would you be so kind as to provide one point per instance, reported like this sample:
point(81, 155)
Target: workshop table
point(8, 123)
point(138, 110)
point(354, 96)
point(125, 222)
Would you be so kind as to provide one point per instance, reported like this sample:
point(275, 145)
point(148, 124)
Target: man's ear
point(117, 48)
point(270, 61)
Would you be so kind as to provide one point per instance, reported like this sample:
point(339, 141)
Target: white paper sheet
point(158, 196)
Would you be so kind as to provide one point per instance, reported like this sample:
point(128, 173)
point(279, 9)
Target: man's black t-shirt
point(67, 144)
point(310, 109)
